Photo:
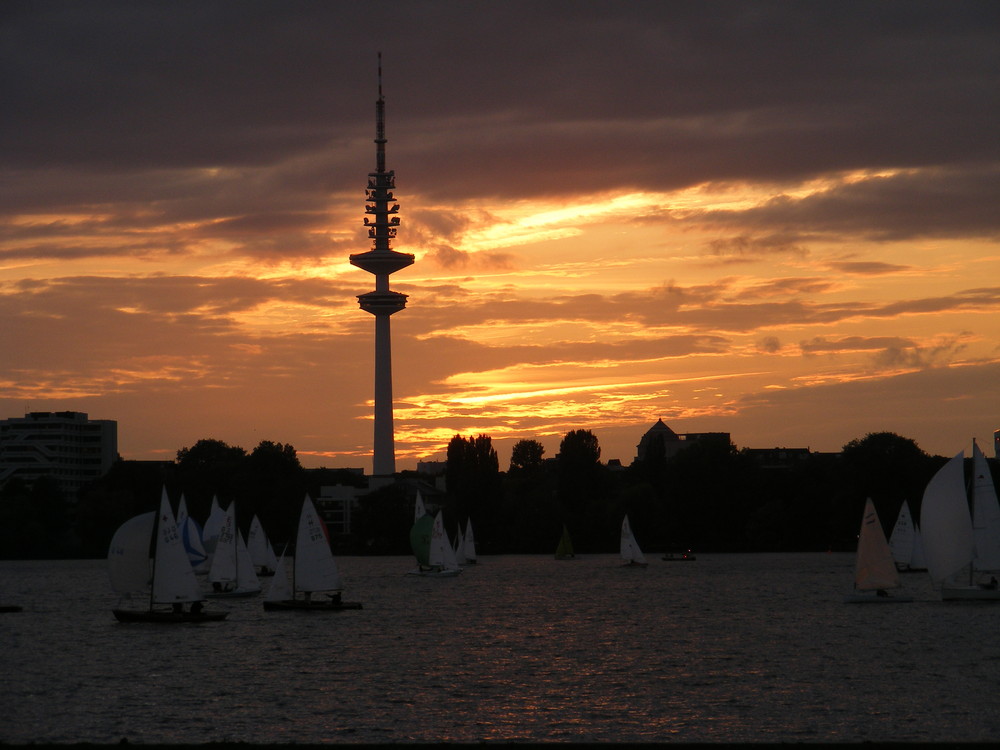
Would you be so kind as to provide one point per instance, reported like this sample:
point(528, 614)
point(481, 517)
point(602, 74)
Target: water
point(730, 648)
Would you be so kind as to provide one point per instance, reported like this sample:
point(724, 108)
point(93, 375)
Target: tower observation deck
point(382, 221)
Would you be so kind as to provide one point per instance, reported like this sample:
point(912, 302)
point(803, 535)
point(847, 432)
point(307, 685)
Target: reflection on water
point(731, 648)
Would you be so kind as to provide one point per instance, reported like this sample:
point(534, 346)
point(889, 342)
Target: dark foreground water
point(730, 648)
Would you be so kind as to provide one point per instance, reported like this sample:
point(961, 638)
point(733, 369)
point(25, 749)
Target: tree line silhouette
point(709, 497)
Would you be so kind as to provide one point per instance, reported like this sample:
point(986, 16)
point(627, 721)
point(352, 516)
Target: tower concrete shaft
point(381, 261)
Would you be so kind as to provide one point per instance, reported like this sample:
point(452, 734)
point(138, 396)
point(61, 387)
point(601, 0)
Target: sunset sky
point(779, 220)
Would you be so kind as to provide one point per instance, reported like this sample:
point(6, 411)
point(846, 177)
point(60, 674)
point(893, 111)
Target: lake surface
point(729, 648)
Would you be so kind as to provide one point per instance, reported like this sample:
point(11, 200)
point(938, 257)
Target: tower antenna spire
point(382, 219)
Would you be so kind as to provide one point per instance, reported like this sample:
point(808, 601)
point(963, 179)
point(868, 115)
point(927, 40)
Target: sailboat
point(232, 572)
point(440, 560)
point(314, 571)
point(261, 551)
point(469, 543)
point(629, 549)
point(191, 536)
point(906, 542)
point(213, 524)
point(459, 547)
point(874, 568)
point(564, 550)
point(985, 518)
point(171, 580)
point(954, 559)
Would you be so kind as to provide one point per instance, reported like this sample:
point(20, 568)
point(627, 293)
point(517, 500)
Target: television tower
point(382, 260)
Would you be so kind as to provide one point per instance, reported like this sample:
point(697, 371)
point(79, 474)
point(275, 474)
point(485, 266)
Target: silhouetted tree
point(473, 479)
point(582, 488)
point(206, 469)
point(270, 483)
point(531, 516)
point(887, 468)
point(526, 455)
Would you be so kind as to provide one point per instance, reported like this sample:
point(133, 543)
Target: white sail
point(985, 515)
point(315, 568)
point(223, 570)
point(232, 568)
point(441, 554)
point(246, 576)
point(419, 509)
point(173, 576)
point(629, 548)
point(902, 537)
point(261, 552)
point(459, 547)
point(210, 533)
point(129, 558)
point(280, 588)
point(469, 542)
point(874, 566)
point(945, 523)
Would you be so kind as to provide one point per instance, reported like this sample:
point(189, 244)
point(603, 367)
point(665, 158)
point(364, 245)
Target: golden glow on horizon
point(594, 293)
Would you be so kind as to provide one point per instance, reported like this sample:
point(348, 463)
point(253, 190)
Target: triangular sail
point(246, 576)
point(129, 555)
point(223, 570)
point(469, 542)
point(210, 532)
point(874, 567)
point(564, 550)
point(315, 568)
point(985, 515)
point(945, 523)
point(419, 509)
point(628, 548)
point(281, 587)
point(441, 553)
point(459, 547)
point(902, 537)
point(420, 540)
point(259, 546)
point(173, 577)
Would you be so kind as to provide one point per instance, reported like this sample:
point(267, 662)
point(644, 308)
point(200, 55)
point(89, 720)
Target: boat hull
point(970, 594)
point(167, 616)
point(635, 564)
point(873, 598)
point(304, 606)
point(232, 594)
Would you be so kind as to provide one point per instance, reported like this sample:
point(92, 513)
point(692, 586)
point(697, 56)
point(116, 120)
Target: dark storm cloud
point(576, 95)
point(949, 202)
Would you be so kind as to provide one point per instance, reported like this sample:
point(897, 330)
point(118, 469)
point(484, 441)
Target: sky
point(779, 220)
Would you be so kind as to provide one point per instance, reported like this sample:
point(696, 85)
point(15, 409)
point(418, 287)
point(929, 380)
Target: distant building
point(336, 504)
point(673, 443)
point(778, 458)
point(432, 468)
point(65, 445)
